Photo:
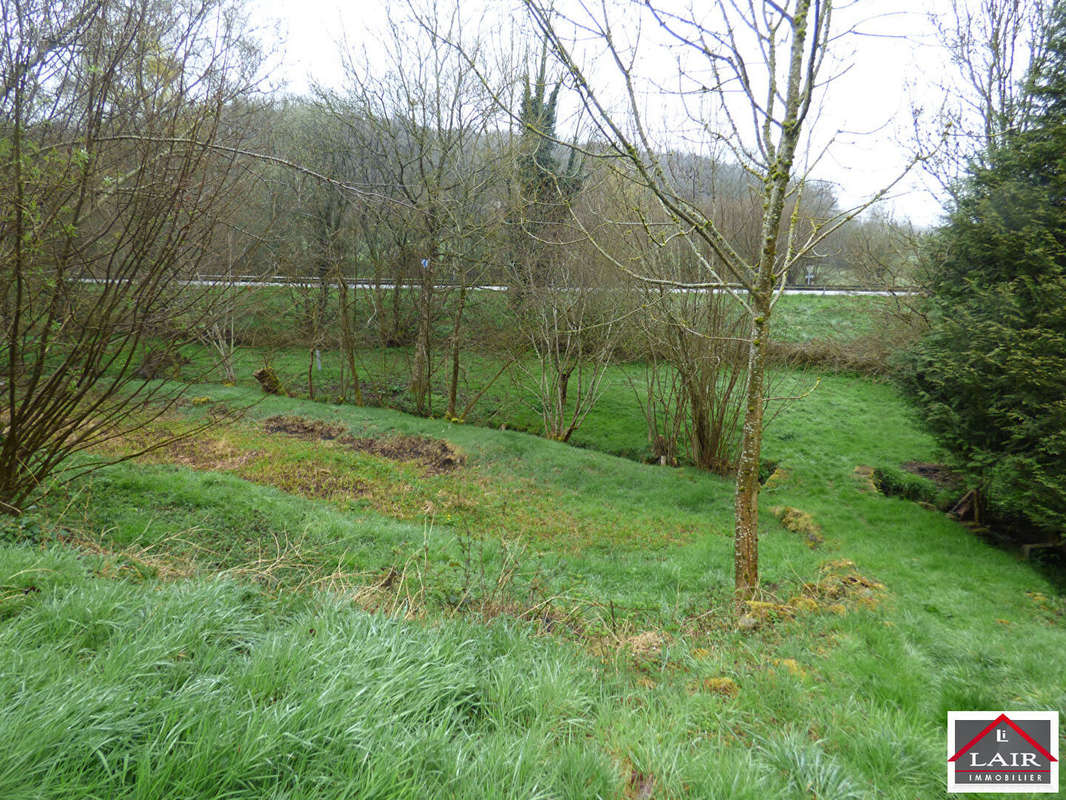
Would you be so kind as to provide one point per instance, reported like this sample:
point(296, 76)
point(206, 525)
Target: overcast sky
point(895, 65)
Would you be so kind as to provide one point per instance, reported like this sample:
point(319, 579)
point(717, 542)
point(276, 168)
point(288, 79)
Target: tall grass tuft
point(211, 689)
point(809, 772)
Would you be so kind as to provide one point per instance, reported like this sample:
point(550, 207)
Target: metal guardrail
point(311, 281)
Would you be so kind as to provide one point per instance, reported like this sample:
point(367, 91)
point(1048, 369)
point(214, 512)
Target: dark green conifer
point(991, 373)
point(546, 183)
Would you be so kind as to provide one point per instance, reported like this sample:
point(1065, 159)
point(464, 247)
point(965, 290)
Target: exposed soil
point(435, 455)
point(303, 428)
point(939, 474)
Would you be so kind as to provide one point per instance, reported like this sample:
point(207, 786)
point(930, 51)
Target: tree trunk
point(323, 293)
point(453, 384)
point(392, 338)
point(564, 389)
point(348, 339)
point(746, 499)
point(702, 446)
point(485, 388)
point(420, 388)
point(377, 298)
point(781, 118)
point(775, 187)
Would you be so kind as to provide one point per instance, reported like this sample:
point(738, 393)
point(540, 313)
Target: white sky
point(893, 68)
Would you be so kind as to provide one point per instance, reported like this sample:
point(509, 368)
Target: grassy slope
point(118, 680)
point(512, 400)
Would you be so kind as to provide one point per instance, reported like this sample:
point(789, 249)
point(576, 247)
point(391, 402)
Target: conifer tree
point(545, 184)
point(991, 373)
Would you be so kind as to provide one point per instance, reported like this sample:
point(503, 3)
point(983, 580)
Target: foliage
point(545, 185)
point(112, 118)
point(991, 373)
point(894, 482)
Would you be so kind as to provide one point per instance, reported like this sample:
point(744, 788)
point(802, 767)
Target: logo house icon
point(991, 751)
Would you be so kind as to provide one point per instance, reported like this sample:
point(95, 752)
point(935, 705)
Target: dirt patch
point(435, 455)
point(302, 428)
point(942, 476)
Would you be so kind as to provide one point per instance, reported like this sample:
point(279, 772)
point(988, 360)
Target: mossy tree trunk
point(793, 37)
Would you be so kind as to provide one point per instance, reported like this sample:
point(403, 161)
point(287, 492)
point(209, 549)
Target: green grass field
point(272, 314)
point(313, 602)
point(273, 327)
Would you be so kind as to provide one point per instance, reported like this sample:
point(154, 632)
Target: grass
point(264, 616)
point(803, 318)
point(272, 315)
point(207, 689)
point(273, 330)
point(615, 425)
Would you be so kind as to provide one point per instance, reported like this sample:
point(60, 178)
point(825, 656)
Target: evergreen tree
point(545, 183)
point(991, 373)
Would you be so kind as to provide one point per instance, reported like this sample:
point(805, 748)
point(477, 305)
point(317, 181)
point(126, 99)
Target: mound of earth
point(304, 428)
point(435, 455)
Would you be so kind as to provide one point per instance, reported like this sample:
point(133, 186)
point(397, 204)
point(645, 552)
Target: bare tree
point(749, 73)
point(425, 121)
point(319, 241)
point(219, 320)
point(564, 308)
point(570, 320)
point(701, 337)
point(992, 45)
point(114, 186)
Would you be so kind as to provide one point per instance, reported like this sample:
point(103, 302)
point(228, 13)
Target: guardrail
point(314, 282)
